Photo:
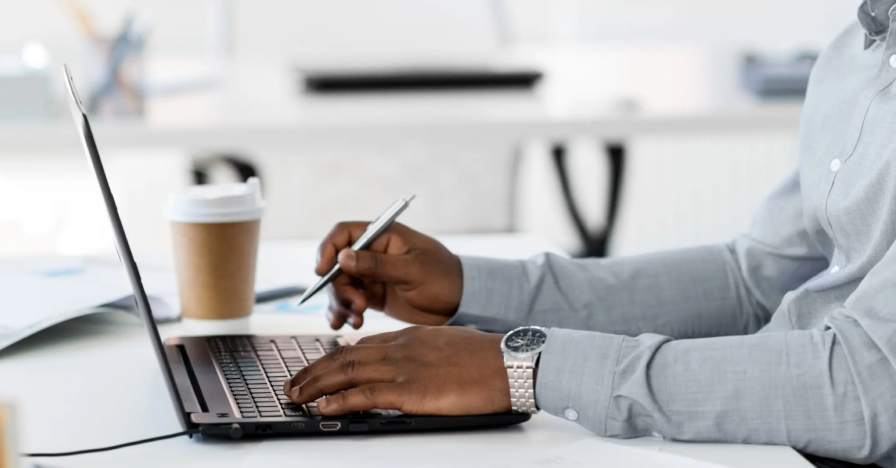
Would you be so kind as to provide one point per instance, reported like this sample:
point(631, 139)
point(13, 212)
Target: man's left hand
point(418, 370)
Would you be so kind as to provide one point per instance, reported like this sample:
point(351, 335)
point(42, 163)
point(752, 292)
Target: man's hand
point(418, 370)
point(405, 274)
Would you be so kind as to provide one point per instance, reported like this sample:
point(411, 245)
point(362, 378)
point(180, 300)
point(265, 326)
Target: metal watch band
point(522, 385)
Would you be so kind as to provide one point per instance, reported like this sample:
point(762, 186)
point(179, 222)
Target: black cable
point(113, 447)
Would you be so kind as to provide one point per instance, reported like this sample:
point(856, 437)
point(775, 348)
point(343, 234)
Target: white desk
point(95, 381)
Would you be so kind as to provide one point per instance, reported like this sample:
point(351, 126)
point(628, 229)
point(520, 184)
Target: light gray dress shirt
point(786, 335)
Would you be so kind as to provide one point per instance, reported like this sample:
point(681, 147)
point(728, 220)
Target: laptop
point(230, 386)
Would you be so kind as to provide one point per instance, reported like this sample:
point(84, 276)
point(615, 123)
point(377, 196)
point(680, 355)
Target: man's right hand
point(406, 274)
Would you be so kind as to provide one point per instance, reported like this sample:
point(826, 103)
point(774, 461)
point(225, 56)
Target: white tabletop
point(95, 382)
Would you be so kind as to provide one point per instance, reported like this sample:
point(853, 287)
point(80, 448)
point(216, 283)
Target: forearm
point(796, 388)
point(682, 293)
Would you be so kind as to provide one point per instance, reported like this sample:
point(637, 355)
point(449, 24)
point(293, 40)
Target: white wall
point(697, 189)
point(756, 23)
point(290, 28)
point(51, 203)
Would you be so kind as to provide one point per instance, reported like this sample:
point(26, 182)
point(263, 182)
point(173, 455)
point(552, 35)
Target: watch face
point(525, 340)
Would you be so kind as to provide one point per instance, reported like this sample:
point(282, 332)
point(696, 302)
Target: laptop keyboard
point(256, 368)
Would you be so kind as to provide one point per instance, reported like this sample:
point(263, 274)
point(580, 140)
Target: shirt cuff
point(575, 376)
point(494, 294)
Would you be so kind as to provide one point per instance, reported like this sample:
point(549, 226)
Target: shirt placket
point(885, 77)
point(887, 71)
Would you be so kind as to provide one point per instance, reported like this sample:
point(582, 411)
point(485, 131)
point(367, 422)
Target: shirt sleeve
point(826, 391)
point(725, 289)
point(795, 388)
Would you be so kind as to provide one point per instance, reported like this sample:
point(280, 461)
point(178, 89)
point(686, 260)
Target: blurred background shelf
point(222, 80)
point(611, 92)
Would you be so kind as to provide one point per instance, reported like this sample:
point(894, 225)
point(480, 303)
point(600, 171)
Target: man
point(786, 335)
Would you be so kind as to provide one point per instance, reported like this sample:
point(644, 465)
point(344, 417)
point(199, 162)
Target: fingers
point(387, 268)
point(347, 374)
point(362, 398)
point(347, 294)
point(339, 317)
point(358, 354)
point(347, 300)
point(347, 304)
point(385, 262)
point(379, 338)
point(343, 235)
point(340, 237)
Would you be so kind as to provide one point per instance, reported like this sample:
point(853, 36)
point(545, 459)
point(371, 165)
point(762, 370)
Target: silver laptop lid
point(121, 241)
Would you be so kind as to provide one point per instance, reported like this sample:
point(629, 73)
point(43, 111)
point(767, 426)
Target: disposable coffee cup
point(215, 237)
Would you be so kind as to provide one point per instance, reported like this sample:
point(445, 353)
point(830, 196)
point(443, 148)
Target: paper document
point(38, 293)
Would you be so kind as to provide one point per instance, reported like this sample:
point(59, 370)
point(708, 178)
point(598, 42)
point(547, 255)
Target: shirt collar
point(875, 16)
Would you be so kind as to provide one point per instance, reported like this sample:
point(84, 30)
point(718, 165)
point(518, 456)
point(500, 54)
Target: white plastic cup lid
point(217, 203)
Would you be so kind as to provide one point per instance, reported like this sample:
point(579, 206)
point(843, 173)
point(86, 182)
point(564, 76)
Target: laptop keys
point(256, 369)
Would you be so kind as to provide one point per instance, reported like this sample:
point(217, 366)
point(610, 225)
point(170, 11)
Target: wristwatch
point(521, 348)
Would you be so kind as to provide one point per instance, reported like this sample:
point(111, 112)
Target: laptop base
point(214, 406)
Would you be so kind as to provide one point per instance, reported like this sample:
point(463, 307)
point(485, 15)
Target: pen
point(373, 231)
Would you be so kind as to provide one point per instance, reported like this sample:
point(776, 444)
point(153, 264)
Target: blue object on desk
point(62, 271)
point(767, 77)
point(290, 307)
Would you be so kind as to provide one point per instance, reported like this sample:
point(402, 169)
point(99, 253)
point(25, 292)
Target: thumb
point(375, 266)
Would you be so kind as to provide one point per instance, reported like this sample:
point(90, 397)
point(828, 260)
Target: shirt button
point(835, 269)
point(893, 61)
point(835, 164)
point(570, 414)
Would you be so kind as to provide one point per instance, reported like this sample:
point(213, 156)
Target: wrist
point(501, 382)
point(456, 278)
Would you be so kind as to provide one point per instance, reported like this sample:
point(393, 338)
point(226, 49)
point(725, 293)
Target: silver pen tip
point(411, 198)
point(304, 297)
